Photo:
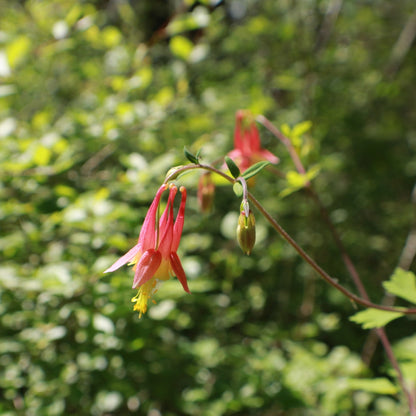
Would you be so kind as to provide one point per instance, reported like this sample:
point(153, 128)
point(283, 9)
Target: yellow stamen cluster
point(143, 294)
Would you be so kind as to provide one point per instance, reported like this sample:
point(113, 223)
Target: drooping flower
point(247, 147)
point(154, 257)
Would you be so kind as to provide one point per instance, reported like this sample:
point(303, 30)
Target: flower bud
point(206, 191)
point(246, 232)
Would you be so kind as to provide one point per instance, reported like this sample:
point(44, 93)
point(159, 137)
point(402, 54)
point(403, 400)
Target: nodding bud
point(206, 191)
point(246, 232)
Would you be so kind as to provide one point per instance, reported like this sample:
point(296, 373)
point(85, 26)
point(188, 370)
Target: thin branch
point(331, 15)
point(402, 45)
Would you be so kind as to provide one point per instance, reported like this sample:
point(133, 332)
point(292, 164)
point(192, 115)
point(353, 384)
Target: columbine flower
point(154, 256)
point(247, 148)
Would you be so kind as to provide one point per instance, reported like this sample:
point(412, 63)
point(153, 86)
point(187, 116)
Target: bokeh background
point(97, 100)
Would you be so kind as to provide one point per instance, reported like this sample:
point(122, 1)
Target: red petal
point(128, 257)
point(166, 226)
point(147, 233)
point(180, 218)
point(253, 138)
point(178, 270)
point(169, 208)
point(266, 155)
point(146, 267)
point(238, 136)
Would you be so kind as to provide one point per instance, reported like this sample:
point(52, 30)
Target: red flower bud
point(206, 191)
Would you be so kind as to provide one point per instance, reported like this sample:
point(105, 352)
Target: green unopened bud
point(246, 232)
point(173, 173)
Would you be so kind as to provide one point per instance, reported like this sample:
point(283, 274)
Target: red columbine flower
point(154, 256)
point(247, 148)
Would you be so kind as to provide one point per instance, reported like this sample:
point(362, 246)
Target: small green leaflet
point(238, 189)
point(409, 370)
point(373, 385)
point(403, 284)
point(255, 169)
point(192, 158)
point(181, 47)
point(301, 128)
point(232, 167)
point(297, 180)
point(374, 318)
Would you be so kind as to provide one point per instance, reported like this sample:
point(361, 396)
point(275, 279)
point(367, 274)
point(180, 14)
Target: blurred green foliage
point(97, 100)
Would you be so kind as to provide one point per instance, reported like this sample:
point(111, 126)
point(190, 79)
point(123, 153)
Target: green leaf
point(181, 46)
point(374, 318)
point(287, 191)
point(286, 129)
point(191, 157)
point(409, 370)
point(403, 284)
point(233, 168)
point(238, 189)
point(296, 180)
point(313, 172)
point(301, 128)
point(255, 169)
point(17, 50)
point(373, 385)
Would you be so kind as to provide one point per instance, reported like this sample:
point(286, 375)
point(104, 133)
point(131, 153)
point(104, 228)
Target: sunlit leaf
point(374, 318)
point(17, 50)
point(296, 180)
point(301, 128)
point(373, 385)
point(403, 284)
point(181, 46)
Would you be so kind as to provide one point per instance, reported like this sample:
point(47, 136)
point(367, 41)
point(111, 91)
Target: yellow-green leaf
point(312, 173)
point(42, 156)
point(374, 318)
point(373, 385)
point(301, 128)
point(238, 189)
point(17, 50)
point(286, 129)
point(296, 180)
point(181, 47)
point(403, 284)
